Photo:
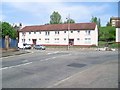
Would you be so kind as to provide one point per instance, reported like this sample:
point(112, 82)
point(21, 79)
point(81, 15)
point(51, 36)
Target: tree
point(99, 22)
point(108, 24)
point(55, 18)
point(8, 30)
point(107, 33)
point(96, 20)
point(69, 21)
point(0, 29)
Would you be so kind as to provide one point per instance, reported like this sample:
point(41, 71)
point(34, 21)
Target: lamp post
point(68, 30)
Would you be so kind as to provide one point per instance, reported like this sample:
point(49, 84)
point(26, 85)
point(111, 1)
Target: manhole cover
point(78, 65)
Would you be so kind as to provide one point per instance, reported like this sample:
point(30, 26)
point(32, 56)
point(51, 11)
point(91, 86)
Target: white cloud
point(78, 13)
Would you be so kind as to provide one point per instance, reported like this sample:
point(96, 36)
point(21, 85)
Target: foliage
point(107, 33)
point(0, 29)
point(55, 18)
point(108, 24)
point(7, 29)
point(70, 21)
point(96, 20)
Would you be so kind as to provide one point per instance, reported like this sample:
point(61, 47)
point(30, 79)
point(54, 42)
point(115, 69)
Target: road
point(44, 69)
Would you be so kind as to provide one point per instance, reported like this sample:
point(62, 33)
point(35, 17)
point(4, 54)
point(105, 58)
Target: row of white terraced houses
point(79, 34)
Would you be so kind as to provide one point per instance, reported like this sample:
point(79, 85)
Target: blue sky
point(38, 13)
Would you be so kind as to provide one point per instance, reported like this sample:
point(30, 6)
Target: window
point(56, 40)
point(47, 40)
point(78, 31)
point(23, 40)
point(87, 40)
point(71, 31)
point(87, 32)
point(64, 39)
point(47, 33)
point(56, 32)
point(78, 38)
point(23, 33)
point(29, 32)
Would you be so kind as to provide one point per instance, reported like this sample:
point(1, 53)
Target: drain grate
point(78, 65)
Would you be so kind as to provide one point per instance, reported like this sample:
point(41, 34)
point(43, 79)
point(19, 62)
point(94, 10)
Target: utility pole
point(68, 30)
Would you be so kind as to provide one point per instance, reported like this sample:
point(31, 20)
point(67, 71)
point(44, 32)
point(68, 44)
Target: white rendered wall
point(117, 34)
point(63, 37)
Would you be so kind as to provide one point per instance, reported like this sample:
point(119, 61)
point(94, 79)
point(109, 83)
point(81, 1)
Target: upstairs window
point(88, 32)
point(78, 31)
point(71, 31)
point(56, 32)
point(47, 33)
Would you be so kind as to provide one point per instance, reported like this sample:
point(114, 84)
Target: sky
point(37, 12)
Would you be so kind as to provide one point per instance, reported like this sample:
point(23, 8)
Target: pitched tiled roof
point(75, 26)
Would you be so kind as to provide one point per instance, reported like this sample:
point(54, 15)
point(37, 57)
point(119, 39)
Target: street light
point(68, 29)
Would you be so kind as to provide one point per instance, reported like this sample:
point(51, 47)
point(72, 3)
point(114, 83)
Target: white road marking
point(53, 52)
point(69, 77)
point(15, 66)
point(31, 62)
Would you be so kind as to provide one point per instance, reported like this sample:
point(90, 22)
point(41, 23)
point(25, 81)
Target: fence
point(12, 43)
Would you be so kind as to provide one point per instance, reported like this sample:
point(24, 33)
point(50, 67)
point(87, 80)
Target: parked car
point(27, 46)
point(39, 47)
point(24, 46)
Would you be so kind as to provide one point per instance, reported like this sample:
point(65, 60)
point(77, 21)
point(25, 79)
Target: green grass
point(110, 44)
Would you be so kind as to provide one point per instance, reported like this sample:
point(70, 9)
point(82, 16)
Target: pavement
point(98, 76)
point(12, 53)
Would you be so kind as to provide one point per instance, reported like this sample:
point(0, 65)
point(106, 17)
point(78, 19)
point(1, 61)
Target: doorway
point(34, 41)
point(71, 42)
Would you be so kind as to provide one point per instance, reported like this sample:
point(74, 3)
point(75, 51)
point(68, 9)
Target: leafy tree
point(96, 20)
point(107, 33)
point(0, 29)
point(108, 24)
point(70, 21)
point(7, 29)
point(99, 22)
point(55, 18)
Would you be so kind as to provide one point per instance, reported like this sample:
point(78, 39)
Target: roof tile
point(75, 26)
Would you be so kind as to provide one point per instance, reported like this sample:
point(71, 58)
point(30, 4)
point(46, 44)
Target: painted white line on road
point(53, 52)
point(69, 77)
point(15, 66)
point(54, 57)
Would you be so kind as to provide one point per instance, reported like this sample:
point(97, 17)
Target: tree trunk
point(7, 42)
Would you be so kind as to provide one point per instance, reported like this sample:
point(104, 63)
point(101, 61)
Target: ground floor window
point(87, 40)
point(56, 40)
point(47, 40)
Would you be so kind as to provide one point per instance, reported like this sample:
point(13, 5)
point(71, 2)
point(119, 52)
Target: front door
point(34, 41)
point(71, 42)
